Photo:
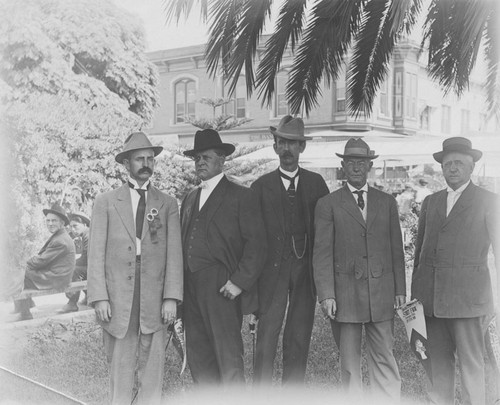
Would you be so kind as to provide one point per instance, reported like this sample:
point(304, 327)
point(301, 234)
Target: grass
point(70, 358)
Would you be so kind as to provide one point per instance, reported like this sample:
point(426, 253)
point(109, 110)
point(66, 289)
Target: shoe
point(68, 308)
point(21, 316)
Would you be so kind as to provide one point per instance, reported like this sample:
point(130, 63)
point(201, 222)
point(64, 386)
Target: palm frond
point(287, 32)
point(325, 42)
point(178, 8)
point(492, 63)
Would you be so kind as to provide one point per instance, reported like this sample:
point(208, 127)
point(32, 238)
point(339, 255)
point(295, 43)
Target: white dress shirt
point(207, 187)
point(135, 197)
point(286, 182)
point(365, 197)
point(453, 196)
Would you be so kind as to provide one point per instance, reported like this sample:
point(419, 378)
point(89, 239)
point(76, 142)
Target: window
point(424, 118)
point(411, 95)
point(237, 106)
point(340, 92)
point(384, 98)
point(281, 103)
point(464, 123)
point(185, 95)
point(445, 119)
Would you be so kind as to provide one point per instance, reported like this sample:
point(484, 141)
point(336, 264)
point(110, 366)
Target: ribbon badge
point(154, 224)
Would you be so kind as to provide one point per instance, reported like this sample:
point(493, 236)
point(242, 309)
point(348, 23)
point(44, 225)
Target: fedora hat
point(82, 216)
point(357, 148)
point(136, 141)
point(209, 139)
point(57, 210)
point(457, 144)
point(290, 128)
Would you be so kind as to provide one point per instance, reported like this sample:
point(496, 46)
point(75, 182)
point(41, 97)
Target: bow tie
point(203, 185)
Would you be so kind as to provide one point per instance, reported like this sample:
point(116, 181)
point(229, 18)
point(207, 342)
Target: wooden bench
point(73, 287)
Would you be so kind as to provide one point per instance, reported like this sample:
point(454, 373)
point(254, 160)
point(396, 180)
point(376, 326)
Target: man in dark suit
point(54, 264)
point(287, 198)
point(359, 272)
point(224, 248)
point(456, 228)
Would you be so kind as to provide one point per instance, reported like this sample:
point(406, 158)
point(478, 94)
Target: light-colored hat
point(136, 141)
point(458, 144)
point(357, 148)
point(290, 128)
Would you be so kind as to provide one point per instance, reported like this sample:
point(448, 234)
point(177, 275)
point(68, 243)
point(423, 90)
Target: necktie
point(141, 210)
point(291, 188)
point(361, 201)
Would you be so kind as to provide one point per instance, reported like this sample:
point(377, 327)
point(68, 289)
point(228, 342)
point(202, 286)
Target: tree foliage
point(322, 33)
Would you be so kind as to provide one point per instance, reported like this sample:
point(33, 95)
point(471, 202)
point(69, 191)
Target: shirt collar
point(458, 190)
point(210, 184)
point(136, 185)
point(353, 189)
point(289, 174)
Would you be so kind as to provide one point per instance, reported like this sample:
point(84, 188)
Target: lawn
point(69, 358)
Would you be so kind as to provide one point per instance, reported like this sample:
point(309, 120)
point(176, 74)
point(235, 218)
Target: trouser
point(383, 371)
point(293, 291)
point(465, 338)
point(79, 274)
point(146, 351)
point(213, 329)
point(23, 306)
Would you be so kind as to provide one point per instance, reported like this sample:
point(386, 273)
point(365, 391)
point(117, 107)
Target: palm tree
point(320, 33)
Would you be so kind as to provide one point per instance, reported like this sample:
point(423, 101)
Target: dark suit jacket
point(268, 189)
point(360, 264)
point(235, 234)
point(451, 276)
point(53, 266)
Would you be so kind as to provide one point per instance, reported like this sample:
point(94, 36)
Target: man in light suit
point(287, 198)
point(54, 264)
point(135, 273)
point(456, 228)
point(224, 249)
point(359, 272)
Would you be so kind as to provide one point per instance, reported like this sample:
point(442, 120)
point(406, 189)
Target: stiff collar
point(458, 190)
point(353, 189)
point(210, 184)
point(289, 174)
point(136, 186)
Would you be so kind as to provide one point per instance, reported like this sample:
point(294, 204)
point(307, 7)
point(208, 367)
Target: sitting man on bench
point(53, 266)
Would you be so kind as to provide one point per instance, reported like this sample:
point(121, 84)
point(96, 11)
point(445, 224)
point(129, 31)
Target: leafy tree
point(321, 33)
point(221, 122)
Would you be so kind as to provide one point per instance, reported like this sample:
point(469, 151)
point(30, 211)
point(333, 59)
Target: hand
point(329, 308)
point(169, 311)
point(400, 300)
point(230, 290)
point(103, 310)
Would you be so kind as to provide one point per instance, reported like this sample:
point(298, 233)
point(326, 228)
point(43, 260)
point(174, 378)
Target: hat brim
point(122, 155)
point(474, 153)
point(226, 147)
point(49, 211)
point(85, 220)
point(371, 157)
point(291, 137)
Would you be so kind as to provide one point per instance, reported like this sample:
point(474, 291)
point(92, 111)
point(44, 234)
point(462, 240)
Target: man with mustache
point(135, 274)
point(287, 197)
point(224, 248)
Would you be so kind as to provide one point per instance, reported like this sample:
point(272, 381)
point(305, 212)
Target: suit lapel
point(349, 204)
point(273, 194)
point(305, 191)
point(464, 201)
point(216, 197)
point(153, 201)
point(187, 210)
point(372, 207)
point(123, 206)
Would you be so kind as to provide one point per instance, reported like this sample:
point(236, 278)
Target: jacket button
point(129, 248)
point(130, 277)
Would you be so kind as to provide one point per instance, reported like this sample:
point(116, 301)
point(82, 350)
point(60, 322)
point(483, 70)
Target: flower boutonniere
point(154, 224)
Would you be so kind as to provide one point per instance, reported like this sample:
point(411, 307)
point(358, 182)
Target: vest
point(294, 223)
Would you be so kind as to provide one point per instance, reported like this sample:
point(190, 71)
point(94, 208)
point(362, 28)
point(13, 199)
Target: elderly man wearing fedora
point(359, 272)
point(287, 197)
point(135, 273)
point(54, 264)
point(224, 248)
point(457, 226)
point(79, 224)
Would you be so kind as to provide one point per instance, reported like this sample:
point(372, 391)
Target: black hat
point(84, 218)
point(209, 139)
point(357, 148)
point(136, 141)
point(290, 128)
point(458, 144)
point(58, 210)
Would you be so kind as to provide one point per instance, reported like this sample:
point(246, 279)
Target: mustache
point(145, 170)
point(286, 154)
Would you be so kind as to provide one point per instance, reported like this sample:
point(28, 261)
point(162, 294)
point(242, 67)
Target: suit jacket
point(235, 234)
point(268, 189)
point(360, 264)
point(451, 276)
point(112, 256)
point(54, 264)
